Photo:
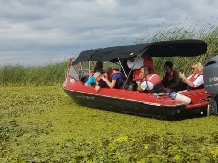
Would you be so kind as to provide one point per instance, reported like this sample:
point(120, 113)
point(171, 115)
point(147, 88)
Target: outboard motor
point(210, 76)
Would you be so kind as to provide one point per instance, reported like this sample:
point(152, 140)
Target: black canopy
point(184, 48)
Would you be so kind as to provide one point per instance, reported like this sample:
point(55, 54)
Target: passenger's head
point(108, 70)
point(144, 71)
point(97, 75)
point(197, 67)
point(147, 70)
point(98, 66)
point(168, 65)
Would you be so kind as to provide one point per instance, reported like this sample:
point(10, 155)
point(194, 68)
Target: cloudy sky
point(34, 32)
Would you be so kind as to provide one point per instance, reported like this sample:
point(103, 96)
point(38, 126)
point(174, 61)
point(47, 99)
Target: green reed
point(48, 74)
point(208, 33)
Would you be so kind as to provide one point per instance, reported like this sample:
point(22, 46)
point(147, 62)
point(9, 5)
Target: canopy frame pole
point(122, 67)
point(89, 66)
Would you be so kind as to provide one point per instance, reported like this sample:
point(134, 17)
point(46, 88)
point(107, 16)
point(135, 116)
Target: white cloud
point(60, 28)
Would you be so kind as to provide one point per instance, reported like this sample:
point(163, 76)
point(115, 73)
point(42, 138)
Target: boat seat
point(136, 73)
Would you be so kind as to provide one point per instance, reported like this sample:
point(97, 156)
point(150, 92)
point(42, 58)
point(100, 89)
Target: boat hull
point(133, 107)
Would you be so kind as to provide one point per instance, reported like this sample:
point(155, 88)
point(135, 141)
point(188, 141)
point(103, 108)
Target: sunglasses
point(193, 68)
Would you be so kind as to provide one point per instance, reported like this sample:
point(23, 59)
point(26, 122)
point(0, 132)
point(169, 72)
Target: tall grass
point(208, 33)
point(49, 74)
point(53, 73)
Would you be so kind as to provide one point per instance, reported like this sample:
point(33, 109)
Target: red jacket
point(195, 76)
point(114, 72)
point(170, 76)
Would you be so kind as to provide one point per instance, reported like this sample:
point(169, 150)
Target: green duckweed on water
point(42, 124)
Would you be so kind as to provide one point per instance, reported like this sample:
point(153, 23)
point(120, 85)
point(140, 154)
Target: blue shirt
point(91, 81)
point(115, 76)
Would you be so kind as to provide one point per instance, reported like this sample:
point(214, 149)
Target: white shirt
point(147, 85)
point(199, 80)
point(138, 63)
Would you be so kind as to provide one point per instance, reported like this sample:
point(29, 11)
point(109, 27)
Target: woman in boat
point(113, 78)
point(136, 65)
point(149, 82)
point(195, 80)
point(171, 77)
point(93, 79)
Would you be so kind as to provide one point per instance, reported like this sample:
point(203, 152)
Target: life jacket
point(148, 61)
point(193, 78)
point(114, 72)
point(153, 78)
point(168, 78)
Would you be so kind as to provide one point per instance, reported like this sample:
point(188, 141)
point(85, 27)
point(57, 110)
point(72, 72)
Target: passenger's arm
point(188, 82)
point(139, 88)
point(97, 88)
point(110, 84)
point(88, 83)
point(182, 77)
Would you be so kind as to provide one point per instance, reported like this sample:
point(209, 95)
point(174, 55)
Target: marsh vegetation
point(40, 123)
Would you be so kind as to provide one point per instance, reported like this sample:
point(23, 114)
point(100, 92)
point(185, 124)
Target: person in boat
point(93, 79)
point(148, 81)
point(98, 67)
point(113, 78)
point(195, 80)
point(136, 63)
point(171, 77)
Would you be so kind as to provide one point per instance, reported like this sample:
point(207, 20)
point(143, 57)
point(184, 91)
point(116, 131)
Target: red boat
point(133, 102)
